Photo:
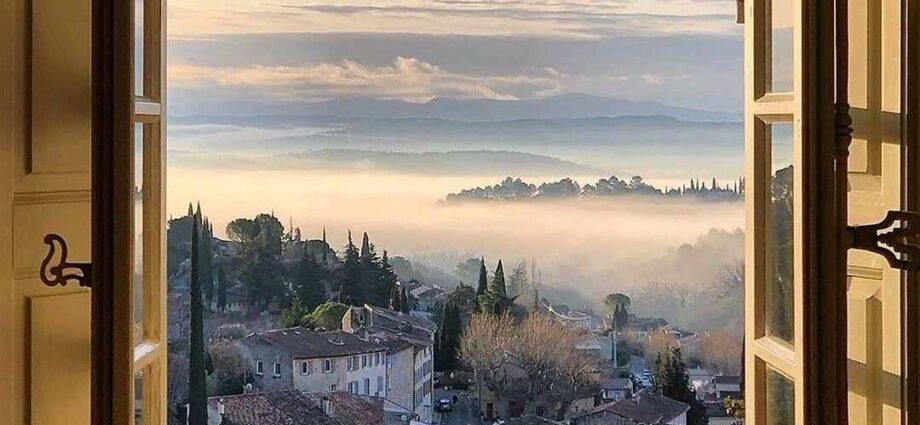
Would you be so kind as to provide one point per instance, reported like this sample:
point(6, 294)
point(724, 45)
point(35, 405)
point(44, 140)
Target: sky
point(682, 52)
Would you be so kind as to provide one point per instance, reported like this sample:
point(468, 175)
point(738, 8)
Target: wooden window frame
point(816, 362)
point(117, 357)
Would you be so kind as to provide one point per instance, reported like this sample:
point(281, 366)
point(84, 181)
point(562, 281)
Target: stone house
point(302, 359)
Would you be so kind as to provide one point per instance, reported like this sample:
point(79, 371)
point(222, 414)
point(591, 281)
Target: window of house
point(363, 361)
point(332, 388)
point(327, 366)
point(379, 385)
point(260, 368)
point(277, 369)
point(367, 386)
point(305, 368)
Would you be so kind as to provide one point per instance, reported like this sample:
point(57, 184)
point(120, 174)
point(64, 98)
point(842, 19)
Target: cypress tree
point(395, 299)
point(448, 338)
point(207, 263)
point(221, 288)
point(495, 300)
point(498, 281)
point(483, 278)
point(197, 391)
point(405, 301)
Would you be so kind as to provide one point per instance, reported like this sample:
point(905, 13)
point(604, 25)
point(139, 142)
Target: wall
point(317, 380)
point(400, 375)
point(424, 384)
point(269, 355)
point(371, 372)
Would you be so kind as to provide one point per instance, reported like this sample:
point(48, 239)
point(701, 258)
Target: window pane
point(138, 398)
point(138, 280)
point(780, 247)
point(779, 48)
point(139, 47)
point(780, 399)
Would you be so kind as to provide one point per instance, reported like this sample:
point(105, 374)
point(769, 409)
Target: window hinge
point(896, 238)
point(63, 272)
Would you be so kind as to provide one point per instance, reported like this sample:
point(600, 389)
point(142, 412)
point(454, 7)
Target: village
point(417, 353)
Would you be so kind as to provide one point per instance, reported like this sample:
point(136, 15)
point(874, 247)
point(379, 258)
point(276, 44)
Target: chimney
point(221, 408)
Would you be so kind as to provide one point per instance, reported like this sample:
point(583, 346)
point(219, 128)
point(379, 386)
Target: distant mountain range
point(569, 106)
point(481, 162)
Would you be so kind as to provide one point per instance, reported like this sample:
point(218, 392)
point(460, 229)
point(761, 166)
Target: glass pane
point(780, 249)
point(138, 280)
point(138, 398)
point(139, 47)
point(780, 46)
point(780, 399)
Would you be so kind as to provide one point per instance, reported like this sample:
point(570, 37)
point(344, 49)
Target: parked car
point(444, 405)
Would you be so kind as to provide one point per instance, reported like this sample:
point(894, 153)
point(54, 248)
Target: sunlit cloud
point(405, 78)
point(578, 19)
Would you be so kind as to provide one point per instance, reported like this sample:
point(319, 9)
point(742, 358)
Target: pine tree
point(350, 288)
point(386, 280)
point(671, 380)
point(309, 285)
point(197, 392)
point(370, 274)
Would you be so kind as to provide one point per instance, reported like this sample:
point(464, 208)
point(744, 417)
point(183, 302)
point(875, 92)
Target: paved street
point(464, 413)
point(637, 365)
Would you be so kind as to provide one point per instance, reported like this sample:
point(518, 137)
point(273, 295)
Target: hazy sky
point(685, 52)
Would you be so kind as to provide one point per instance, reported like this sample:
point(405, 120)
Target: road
point(464, 412)
point(637, 365)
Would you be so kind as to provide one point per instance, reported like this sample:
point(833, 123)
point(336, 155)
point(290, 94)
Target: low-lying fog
point(596, 246)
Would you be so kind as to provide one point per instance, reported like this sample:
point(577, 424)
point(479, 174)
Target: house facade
point(410, 355)
point(616, 389)
point(302, 359)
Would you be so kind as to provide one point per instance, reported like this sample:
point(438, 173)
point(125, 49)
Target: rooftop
point(616, 383)
point(532, 420)
point(409, 319)
point(303, 343)
point(727, 380)
point(646, 408)
point(271, 408)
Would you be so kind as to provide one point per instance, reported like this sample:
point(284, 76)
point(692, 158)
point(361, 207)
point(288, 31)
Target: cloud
point(405, 78)
point(553, 18)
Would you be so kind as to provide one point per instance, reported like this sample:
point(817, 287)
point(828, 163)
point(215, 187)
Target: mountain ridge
point(567, 106)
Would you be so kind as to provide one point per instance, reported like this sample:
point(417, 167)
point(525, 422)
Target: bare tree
point(659, 342)
point(230, 367)
point(722, 351)
point(486, 347)
point(539, 351)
